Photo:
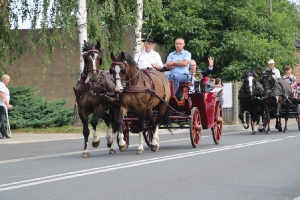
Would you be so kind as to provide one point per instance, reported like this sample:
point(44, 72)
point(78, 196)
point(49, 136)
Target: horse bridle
point(269, 79)
point(93, 51)
point(124, 64)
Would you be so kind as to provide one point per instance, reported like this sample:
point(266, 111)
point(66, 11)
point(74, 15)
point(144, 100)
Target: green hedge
point(32, 111)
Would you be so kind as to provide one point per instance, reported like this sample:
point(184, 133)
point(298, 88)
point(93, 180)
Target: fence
point(230, 114)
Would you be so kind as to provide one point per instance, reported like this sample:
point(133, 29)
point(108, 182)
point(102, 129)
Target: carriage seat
point(183, 87)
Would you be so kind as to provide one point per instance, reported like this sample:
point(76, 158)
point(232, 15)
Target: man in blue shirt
point(178, 64)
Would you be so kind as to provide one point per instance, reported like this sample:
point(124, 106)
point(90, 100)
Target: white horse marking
point(94, 62)
point(141, 141)
point(260, 123)
point(250, 79)
point(95, 136)
point(108, 135)
point(155, 139)
point(119, 87)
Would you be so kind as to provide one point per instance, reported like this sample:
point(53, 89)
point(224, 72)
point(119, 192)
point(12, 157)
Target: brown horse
point(89, 95)
point(276, 94)
point(141, 91)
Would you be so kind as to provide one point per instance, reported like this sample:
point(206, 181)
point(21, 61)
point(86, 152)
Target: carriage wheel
point(298, 117)
point(125, 128)
point(148, 135)
point(195, 127)
point(218, 123)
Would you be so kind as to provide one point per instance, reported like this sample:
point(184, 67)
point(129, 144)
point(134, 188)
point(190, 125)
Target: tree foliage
point(106, 20)
point(239, 34)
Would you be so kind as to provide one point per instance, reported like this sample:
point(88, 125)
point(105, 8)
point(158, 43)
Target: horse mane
point(90, 46)
point(247, 73)
point(128, 59)
point(106, 80)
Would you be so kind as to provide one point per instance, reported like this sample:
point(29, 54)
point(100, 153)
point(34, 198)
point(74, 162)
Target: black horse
point(276, 94)
point(248, 93)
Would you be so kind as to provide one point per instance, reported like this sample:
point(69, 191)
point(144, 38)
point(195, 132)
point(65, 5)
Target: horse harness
point(141, 89)
point(276, 85)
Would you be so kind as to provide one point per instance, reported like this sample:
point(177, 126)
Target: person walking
point(4, 104)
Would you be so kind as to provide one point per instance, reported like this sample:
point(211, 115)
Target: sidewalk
point(43, 137)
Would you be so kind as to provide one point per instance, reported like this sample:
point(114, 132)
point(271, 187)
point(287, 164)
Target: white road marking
point(292, 136)
point(80, 152)
point(70, 175)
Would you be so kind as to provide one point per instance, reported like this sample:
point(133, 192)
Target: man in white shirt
point(4, 104)
point(148, 58)
point(276, 75)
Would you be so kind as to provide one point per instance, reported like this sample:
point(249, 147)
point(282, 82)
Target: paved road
point(242, 166)
point(43, 137)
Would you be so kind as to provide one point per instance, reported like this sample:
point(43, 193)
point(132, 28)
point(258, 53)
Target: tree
point(138, 26)
point(239, 34)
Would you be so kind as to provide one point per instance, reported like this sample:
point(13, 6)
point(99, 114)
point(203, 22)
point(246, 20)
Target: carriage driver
point(148, 58)
point(276, 75)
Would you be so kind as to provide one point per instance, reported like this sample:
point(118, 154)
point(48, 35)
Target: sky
point(295, 1)
point(26, 24)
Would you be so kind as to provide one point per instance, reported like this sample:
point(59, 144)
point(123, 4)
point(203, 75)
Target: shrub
point(32, 111)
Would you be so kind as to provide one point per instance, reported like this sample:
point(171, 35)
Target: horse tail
point(167, 121)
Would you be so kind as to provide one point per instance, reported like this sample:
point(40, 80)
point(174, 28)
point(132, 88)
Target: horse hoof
point(123, 148)
point(96, 144)
point(109, 145)
point(139, 151)
point(112, 151)
point(254, 133)
point(86, 155)
point(280, 129)
point(154, 148)
point(261, 130)
point(267, 132)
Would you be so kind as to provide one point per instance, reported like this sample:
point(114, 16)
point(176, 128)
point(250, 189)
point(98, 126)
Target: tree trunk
point(138, 27)
point(82, 32)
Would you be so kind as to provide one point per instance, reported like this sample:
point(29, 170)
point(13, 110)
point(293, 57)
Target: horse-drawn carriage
point(141, 101)
point(267, 99)
point(197, 111)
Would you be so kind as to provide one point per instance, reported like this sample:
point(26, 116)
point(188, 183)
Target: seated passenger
point(218, 83)
point(291, 79)
point(193, 66)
